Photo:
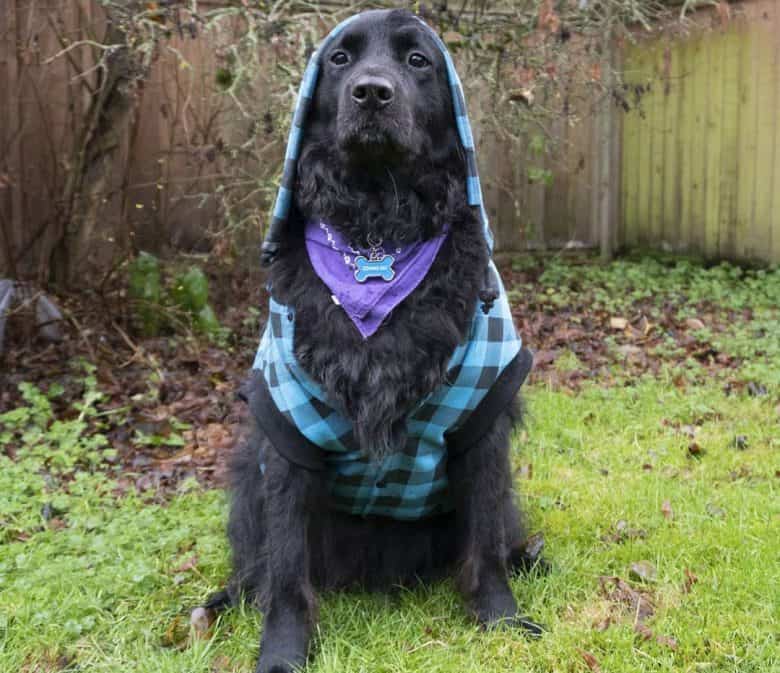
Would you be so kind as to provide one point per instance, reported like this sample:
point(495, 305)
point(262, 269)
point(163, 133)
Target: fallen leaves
point(590, 661)
point(695, 450)
point(666, 510)
point(201, 620)
point(176, 634)
point(169, 407)
point(453, 38)
point(623, 532)
point(634, 603)
point(534, 546)
point(643, 571)
point(602, 331)
point(715, 511)
point(189, 564)
point(629, 351)
point(646, 633)
point(618, 323)
point(694, 324)
point(181, 632)
point(625, 598)
point(690, 580)
point(549, 20)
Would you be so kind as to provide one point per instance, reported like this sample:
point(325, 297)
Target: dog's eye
point(417, 60)
point(339, 58)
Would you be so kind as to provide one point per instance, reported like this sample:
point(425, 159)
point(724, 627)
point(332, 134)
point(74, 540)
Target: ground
point(649, 462)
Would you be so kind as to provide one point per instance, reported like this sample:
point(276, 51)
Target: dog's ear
point(314, 182)
point(322, 191)
point(316, 192)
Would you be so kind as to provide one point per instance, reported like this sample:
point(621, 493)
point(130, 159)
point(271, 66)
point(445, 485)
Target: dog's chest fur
point(377, 381)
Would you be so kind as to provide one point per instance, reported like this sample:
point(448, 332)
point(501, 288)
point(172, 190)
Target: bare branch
point(107, 48)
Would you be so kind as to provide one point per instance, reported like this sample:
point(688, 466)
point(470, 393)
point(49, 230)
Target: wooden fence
point(694, 168)
point(161, 192)
point(166, 168)
point(701, 152)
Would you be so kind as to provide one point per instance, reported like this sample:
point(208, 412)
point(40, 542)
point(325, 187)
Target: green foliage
point(161, 305)
point(537, 175)
point(171, 438)
point(111, 590)
point(145, 289)
point(741, 306)
point(224, 78)
point(190, 290)
point(661, 280)
point(101, 579)
point(49, 459)
point(207, 323)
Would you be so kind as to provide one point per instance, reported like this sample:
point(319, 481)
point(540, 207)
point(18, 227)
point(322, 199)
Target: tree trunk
point(94, 160)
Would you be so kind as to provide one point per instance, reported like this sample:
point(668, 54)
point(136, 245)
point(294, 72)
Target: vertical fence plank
point(605, 188)
point(654, 140)
point(729, 168)
point(766, 101)
point(688, 56)
point(774, 217)
point(714, 143)
point(582, 166)
point(697, 142)
point(748, 137)
point(630, 178)
point(616, 164)
point(671, 178)
point(557, 229)
point(644, 154)
point(571, 153)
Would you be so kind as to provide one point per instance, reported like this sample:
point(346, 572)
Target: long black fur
point(398, 174)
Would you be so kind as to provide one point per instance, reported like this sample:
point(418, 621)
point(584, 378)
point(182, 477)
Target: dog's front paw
point(532, 629)
point(277, 661)
point(499, 609)
point(283, 647)
point(271, 667)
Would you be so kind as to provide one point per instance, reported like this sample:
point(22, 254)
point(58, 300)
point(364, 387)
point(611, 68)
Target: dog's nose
point(372, 91)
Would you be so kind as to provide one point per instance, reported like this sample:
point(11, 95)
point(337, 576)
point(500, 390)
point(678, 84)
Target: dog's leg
point(525, 554)
point(246, 526)
point(481, 487)
point(288, 601)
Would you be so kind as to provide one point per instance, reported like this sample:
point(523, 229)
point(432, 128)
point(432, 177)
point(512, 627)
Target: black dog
point(380, 156)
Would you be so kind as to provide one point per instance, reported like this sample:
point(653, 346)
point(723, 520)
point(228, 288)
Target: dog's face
point(382, 92)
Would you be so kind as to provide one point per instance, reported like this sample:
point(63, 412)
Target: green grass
point(93, 581)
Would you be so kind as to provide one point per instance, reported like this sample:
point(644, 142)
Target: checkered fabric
point(303, 104)
point(412, 483)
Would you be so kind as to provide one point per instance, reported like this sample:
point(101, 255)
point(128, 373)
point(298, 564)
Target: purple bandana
point(367, 303)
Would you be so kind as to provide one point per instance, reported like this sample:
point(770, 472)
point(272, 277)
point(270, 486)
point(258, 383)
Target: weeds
point(656, 490)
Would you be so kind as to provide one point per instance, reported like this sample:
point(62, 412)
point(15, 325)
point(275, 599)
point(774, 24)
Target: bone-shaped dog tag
point(374, 268)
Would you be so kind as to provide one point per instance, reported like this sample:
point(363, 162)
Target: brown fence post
point(14, 139)
point(605, 138)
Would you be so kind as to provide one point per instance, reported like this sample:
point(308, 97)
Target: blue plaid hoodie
point(483, 374)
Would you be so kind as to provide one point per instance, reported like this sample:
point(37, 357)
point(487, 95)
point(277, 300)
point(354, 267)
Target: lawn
point(649, 461)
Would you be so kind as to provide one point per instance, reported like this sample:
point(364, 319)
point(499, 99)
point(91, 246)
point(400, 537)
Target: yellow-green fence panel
point(701, 145)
